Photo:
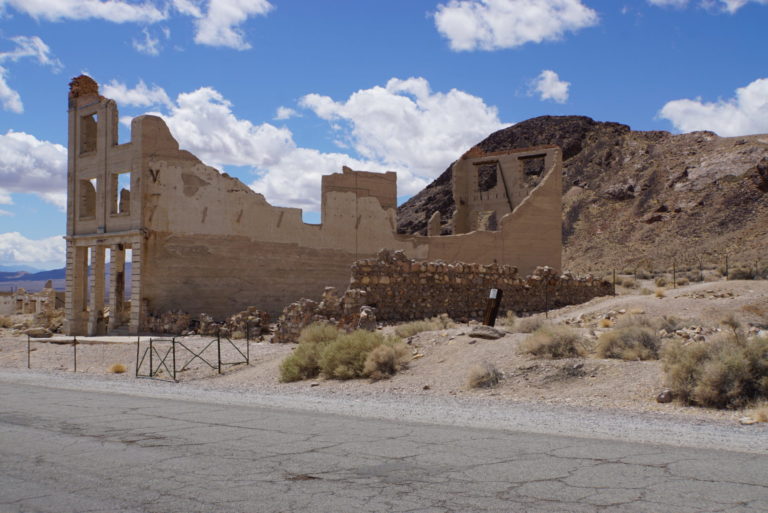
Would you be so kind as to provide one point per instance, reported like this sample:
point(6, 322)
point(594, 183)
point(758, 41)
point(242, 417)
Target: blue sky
point(279, 92)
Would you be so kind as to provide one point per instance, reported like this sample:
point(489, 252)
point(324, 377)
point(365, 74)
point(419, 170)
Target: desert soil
point(443, 358)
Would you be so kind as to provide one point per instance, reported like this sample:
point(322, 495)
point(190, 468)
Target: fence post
point(218, 346)
point(614, 282)
point(150, 357)
point(74, 350)
point(28, 353)
point(173, 346)
point(701, 271)
point(726, 267)
point(138, 340)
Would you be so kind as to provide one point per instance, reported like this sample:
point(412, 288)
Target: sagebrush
point(409, 329)
point(727, 372)
point(554, 342)
point(629, 343)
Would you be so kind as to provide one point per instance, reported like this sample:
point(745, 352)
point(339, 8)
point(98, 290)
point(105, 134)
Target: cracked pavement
point(64, 450)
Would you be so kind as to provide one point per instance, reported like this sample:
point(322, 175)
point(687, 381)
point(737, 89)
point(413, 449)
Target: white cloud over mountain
point(729, 6)
point(497, 24)
point(25, 47)
point(549, 87)
point(745, 113)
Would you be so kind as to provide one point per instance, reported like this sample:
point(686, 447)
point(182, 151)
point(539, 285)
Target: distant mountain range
point(21, 275)
point(11, 279)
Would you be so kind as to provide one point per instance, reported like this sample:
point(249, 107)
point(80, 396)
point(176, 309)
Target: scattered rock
point(38, 332)
point(747, 421)
point(486, 332)
point(665, 396)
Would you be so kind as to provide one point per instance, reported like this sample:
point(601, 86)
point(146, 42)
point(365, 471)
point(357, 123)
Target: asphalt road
point(92, 451)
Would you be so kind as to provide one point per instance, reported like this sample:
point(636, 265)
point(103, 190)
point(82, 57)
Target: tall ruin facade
point(201, 241)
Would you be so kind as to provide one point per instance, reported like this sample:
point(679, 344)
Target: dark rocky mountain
point(636, 199)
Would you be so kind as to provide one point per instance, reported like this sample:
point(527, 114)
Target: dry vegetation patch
point(554, 342)
point(483, 375)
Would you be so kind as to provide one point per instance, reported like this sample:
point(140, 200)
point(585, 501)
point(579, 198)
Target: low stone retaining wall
point(401, 289)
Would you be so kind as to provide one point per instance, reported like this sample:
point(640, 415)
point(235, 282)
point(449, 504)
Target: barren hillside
point(638, 199)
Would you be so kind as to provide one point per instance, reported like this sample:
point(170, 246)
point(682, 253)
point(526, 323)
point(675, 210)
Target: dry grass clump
point(605, 323)
point(117, 368)
point(386, 360)
point(508, 321)
point(629, 343)
point(554, 342)
point(629, 283)
point(5, 321)
point(661, 281)
point(728, 372)
point(660, 293)
point(669, 323)
point(483, 375)
point(682, 282)
point(409, 329)
point(529, 324)
point(634, 320)
point(645, 291)
point(742, 273)
point(323, 350)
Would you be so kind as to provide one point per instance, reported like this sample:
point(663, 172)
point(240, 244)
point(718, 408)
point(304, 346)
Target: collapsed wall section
point(400, 288)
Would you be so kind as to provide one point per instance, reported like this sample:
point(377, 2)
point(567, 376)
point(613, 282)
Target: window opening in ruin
point(88, 137)
point(87, 195)
point(487, 178)
point(533, 169)
point(121, 193)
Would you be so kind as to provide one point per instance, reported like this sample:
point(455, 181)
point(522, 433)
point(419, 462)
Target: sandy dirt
point(444, 357)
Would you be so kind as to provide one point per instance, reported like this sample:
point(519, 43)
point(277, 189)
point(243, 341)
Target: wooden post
point(492, 305)
point(674, 274)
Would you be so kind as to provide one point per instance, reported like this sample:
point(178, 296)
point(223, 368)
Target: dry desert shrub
point(483, 375)
point(508, 321)
point(117, 368)
point(661, 281)
point(345, 357)
point(409, 329)
point(386, 360)
point(303, 362)
point(760, 415)
point(669, 323)
point(645, 291)
point(629, 283)
point(682, 282)
point(529, 324)
point(660, 293)
point(727, 372)
point(5, 322)
point(634, 320)
point(318, 332)
point(742, 273)
point(554, 342)
point(605, 323)
point(629, 343)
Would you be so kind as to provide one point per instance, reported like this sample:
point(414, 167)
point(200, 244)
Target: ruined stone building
point(201, 241)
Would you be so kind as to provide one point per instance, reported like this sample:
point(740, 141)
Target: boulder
point(38, 332)
point(486, 332)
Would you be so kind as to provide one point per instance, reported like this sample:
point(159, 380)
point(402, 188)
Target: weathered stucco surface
point(203, 242)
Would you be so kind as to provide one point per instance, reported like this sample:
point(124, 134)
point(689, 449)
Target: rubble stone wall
point(400, 288)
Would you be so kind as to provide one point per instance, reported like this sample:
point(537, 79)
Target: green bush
point(629, 343)
point(728, 372)
point(303, 362)
point(554, 342)
point(345, 357)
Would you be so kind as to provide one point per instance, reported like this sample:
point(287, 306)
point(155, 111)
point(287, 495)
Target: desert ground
point(442, 358)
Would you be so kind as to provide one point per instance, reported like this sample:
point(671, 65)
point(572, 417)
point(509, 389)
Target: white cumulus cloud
point(139, 96)
point(149, 45)
point(26, 47)
point(285, 113)
point(496, 24)
point(219, 24)
point(730, 6)
point(745, 113)
point(116, 11)
point(407, 126)
point(44, 253)
point(30, 165)
point(549, 86)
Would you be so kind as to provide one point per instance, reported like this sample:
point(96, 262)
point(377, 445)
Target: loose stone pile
point(236, 326)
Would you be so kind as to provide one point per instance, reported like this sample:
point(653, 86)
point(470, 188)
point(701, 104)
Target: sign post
point(492, 305)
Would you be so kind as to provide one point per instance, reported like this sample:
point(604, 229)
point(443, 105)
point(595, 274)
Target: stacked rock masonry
point(401, 289)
